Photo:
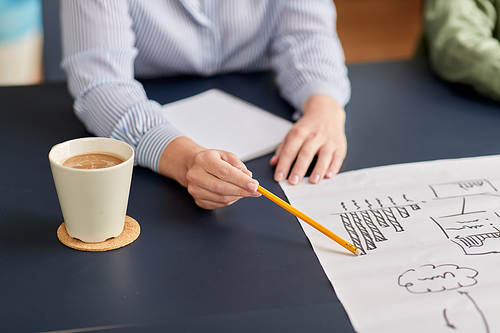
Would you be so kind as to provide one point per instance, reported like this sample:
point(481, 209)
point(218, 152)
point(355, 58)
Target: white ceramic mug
point(93, 201)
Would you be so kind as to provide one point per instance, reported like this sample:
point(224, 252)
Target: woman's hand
point(214, 178)
point(319, 132)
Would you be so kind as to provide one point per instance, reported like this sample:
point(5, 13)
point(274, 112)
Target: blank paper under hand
point(218, 120)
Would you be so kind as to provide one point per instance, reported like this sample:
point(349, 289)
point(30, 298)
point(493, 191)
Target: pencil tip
point(358, 252)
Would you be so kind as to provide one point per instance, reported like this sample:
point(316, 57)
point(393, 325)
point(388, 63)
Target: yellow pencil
point(309, 220)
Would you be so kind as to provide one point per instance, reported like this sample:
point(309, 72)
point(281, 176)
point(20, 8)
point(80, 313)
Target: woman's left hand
point(320, 131)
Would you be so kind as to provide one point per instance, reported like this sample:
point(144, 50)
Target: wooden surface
point(379, 30)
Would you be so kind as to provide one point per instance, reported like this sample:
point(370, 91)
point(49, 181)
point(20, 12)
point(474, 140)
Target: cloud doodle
point(432, 279)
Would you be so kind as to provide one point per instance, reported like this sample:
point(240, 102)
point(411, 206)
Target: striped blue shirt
point(109, 43)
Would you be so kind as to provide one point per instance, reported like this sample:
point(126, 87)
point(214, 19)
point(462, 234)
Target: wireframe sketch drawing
point(364, 221)
point(429, 233)
point(448, 277)
point(472, 227)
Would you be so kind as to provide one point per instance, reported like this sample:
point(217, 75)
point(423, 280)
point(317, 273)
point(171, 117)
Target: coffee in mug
point(98, 160)
point(92, 178)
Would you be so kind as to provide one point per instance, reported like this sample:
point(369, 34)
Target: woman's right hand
point(215, 178)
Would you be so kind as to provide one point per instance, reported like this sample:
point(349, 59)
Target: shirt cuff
point(152, 144)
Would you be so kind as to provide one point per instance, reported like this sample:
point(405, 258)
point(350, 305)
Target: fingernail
point(252, 187)
point(315, 178)
point(329, 174)
point(294, 180)
point(256, 194)
point(279, 176)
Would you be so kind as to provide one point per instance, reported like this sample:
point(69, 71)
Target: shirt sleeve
point(462, 45)
point(307, 55)
point(98, 57)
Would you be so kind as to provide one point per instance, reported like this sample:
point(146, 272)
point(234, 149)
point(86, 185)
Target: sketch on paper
point(430, 237)
point(447, 277)
point(475, 230)
point(463, 188)
point(365, 220)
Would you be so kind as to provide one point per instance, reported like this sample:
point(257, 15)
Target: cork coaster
point(131, 231)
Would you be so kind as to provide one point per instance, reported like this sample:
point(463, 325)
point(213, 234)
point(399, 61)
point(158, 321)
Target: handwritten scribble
point(377, 234)
point(407, 200)
point(348, 226)
point(477, 232)
point(471, 184)
point(368, 204)
point(432, 279)
point(380, 218)
point(391, 218)
point(467, 227)
point(356, 204)
point(370, 244)
point(364, 221)
point(415, 207)
point(403, 212)
point(447, 321)
point(462, 187)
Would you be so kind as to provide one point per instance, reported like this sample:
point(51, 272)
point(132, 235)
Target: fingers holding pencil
point(309, 220)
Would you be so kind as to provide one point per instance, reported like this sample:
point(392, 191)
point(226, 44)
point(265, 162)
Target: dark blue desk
point(245, 268)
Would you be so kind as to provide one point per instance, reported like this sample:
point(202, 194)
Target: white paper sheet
point(430, 232)
point(218, 120)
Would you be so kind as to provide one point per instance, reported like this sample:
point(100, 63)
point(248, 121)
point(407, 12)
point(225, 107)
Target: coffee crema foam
point(94, 160)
